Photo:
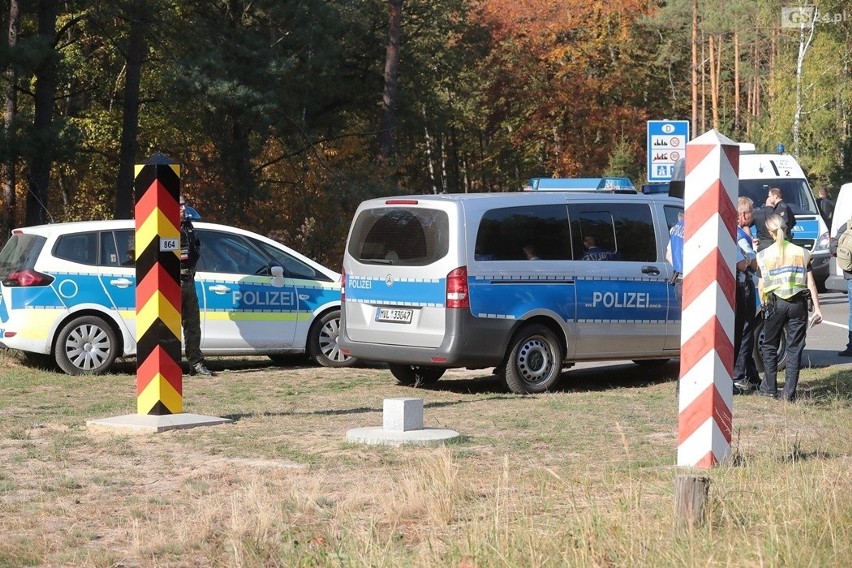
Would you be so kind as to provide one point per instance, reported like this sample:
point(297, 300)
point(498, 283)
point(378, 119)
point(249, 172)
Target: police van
point(526, 282)
point(760, 172)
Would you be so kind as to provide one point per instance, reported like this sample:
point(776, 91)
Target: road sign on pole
point(666, 145)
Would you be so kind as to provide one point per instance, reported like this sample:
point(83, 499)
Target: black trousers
point(790, 318)
point(191, 321)
point(745, 368)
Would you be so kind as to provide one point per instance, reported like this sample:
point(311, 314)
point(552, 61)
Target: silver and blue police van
point(527, 282)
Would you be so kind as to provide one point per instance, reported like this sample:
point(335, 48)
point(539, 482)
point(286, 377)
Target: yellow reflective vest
point(783, 269)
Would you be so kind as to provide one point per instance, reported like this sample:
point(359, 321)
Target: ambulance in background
point(760, 172)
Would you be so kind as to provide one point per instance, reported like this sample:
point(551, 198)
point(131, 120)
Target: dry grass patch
point(582, 476)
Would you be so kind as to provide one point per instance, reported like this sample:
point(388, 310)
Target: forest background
point(285, 114)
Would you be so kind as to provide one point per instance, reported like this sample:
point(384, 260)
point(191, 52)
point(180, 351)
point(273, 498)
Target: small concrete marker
point(402, 420)
point(150, 423)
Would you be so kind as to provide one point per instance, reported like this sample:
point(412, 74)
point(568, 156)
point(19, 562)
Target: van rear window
point(400, 236)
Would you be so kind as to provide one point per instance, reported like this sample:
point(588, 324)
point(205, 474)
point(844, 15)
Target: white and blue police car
point(67, 291)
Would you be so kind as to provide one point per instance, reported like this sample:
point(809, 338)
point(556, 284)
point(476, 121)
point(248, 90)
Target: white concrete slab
point(378, 435)
point(143, 423)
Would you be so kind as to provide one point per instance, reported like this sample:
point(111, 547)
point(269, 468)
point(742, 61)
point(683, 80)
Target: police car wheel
point(758, 348)
point(85, 346)
point(416, 375)
point(535, 360)
point(322, 342)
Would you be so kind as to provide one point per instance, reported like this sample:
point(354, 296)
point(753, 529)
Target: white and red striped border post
point(709, 295)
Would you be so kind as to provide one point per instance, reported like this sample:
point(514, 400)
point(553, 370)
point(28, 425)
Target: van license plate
point(394, 315)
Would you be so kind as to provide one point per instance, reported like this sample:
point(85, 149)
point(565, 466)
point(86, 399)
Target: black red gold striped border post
point(159, 378)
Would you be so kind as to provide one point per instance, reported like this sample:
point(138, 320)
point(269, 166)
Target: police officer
point(674, 254)
point(746, 377)
point(780, 208)
point(786, 282)
point(190, 250)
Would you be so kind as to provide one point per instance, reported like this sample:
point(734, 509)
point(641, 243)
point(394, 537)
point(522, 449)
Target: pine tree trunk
point(41, 157)
point(124, 200)
point(9, 116)
point(389, 97)
point(694, 67)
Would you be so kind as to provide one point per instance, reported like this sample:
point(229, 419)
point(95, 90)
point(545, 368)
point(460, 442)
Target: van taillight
point(21, 278)
point(457, 296)
point(343, 285)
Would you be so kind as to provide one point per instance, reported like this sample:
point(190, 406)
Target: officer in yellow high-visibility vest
point(787, 288)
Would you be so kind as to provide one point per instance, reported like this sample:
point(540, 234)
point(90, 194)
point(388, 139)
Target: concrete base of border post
point(402, 423)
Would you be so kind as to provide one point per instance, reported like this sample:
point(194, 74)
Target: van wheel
point(85, 346)
point(416, 375)
point(758, 348)
point(322, 342)
point(535, 360)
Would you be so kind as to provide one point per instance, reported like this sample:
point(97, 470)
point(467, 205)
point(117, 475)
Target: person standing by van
point(190, 252)
point(746, 377)
point(780, 207)
point(787, 288)
point(848, 276)
point(674, 254)
point(826, 206)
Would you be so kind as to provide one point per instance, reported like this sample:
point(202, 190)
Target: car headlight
point(822, 243)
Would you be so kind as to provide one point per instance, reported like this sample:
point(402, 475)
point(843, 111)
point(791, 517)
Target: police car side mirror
point(277, 275)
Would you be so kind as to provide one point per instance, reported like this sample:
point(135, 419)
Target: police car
point(67, 290)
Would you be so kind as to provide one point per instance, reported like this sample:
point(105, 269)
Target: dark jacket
point(759, 215)
point(190, 250)
point(785, 212)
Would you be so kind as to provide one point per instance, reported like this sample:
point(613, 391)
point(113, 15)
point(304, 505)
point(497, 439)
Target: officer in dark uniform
point(190, 250)
point(759, 216)
point(776, 200)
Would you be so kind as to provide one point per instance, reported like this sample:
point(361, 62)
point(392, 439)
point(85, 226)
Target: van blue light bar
point(604, 184)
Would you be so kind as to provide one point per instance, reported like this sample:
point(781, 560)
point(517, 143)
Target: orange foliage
point(567, 69)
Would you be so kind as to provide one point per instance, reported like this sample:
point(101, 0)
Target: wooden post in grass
point(159, 378)
point(691, 499)
point(709, 287)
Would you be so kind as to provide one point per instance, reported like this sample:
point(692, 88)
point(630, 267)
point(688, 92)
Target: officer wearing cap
point(190, 250)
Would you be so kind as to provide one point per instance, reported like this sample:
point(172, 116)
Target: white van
point(842, 214)
point(760, 172)
point(525, 282)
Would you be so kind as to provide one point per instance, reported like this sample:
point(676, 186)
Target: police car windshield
point(797, 193)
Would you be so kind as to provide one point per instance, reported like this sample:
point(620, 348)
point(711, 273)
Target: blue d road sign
point(666, 145)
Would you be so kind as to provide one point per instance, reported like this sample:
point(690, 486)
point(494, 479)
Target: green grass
point(583, 476)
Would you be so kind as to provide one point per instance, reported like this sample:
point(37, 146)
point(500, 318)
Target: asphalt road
point(829, 337)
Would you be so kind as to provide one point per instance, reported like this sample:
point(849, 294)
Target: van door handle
point(651, 270)
point(219, 289)
point(121, 282)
